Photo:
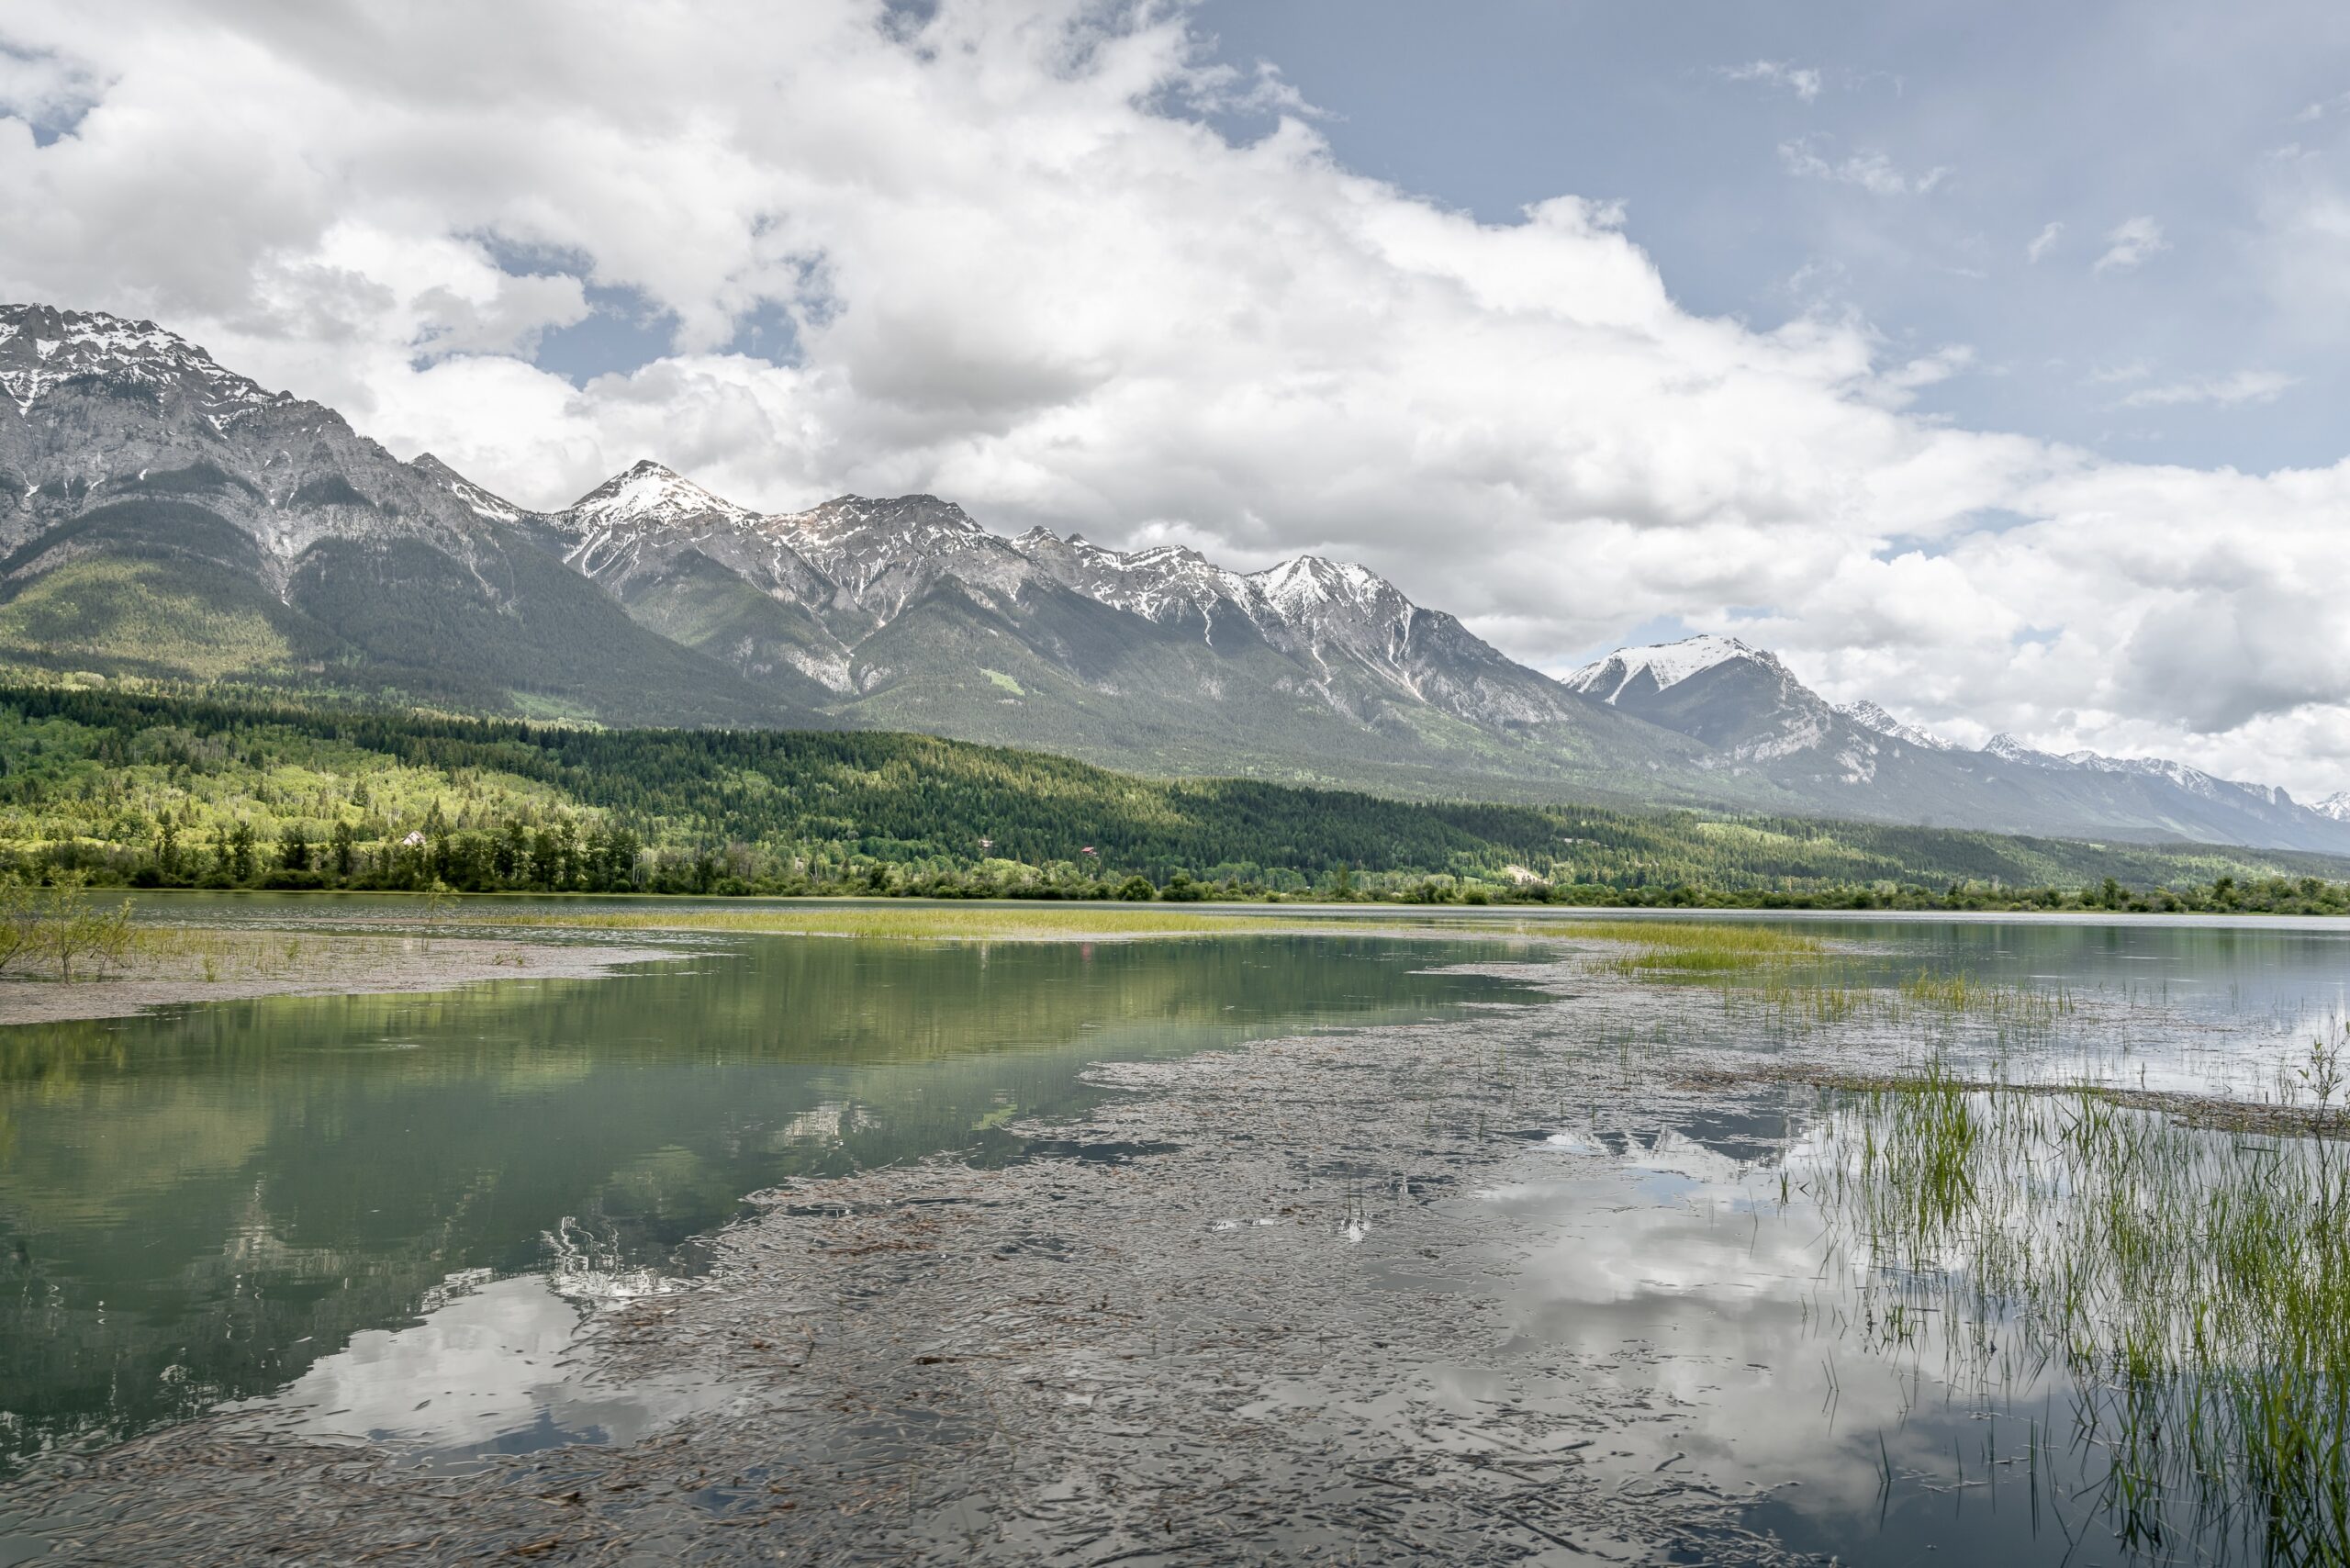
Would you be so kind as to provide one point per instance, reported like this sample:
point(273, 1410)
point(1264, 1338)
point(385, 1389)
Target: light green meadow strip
point(1687, 946)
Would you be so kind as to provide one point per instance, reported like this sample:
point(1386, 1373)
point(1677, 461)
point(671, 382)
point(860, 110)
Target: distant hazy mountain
point(1862, 761)
point(161, 515)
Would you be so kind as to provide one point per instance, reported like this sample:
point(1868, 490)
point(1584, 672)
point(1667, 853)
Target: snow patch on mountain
point(649, 495)
point(1869, 716)
point(42, 348)
point(2336, 806)
point(2007, 749)
point(480, 502)
point(1166, 584)
point(1667, 664)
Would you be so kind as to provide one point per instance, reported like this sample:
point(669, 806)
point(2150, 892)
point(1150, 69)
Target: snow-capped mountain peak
point(2193, 780)
point(2007, 749)
point(42, 347)
point(913, 522)
point(2336, 805)
point(1302, 585)
point(646, 495)
point(1667, 664)
point(1869, 716)
point(1166, 584)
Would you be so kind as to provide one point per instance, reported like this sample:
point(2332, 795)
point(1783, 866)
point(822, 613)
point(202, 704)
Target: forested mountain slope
point(104, 778)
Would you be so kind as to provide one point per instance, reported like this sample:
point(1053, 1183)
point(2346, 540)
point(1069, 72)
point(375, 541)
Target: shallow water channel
point(386, 1216)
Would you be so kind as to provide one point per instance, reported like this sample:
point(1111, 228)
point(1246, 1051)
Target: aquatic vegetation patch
point(1691, 947)
point(1959, 994)
point(953, 924)
point(2194, 1285)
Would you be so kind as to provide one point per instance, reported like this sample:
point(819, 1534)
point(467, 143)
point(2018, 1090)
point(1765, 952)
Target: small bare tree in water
point(60, 924)
point(18, 928)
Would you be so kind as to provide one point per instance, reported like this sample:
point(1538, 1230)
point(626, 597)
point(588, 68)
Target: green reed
point(2195, 1285)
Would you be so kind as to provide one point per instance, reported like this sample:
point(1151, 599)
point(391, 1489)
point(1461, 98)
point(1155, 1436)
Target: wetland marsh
point(1496, 1239)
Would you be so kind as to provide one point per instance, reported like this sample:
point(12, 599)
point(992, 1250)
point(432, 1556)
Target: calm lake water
point(203, 1204)
point(348, 1205)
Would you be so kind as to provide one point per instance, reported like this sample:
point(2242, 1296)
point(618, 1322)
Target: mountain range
point(161, 516)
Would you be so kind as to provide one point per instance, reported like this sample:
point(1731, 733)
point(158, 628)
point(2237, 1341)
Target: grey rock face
point(107, 411)
point(143, 486)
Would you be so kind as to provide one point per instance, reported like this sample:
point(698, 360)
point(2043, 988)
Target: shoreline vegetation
point(148, 790)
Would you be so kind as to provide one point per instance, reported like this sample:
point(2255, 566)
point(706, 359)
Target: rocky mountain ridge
point(858, 595)
point(857, 563)
point(161, 515)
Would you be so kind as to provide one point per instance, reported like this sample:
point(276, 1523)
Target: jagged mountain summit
point(43, 348)
point(1758, 720)
point(1868, 715)
point(1645, 672)
point(907, 611)
point(161, 515)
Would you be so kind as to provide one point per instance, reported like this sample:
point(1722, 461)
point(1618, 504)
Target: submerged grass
point(2194, 1285)
point(962, 924)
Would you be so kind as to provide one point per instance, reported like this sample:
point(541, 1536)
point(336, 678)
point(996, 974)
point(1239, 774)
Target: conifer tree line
point(166, 790)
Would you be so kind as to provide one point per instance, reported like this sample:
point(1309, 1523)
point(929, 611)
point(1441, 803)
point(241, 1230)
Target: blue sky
point(1704, 119)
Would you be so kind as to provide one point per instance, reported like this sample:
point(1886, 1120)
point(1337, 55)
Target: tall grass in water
point(2195, 1285)
point(1797, 992)
point(1960, 995)
point(1793, 1004)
